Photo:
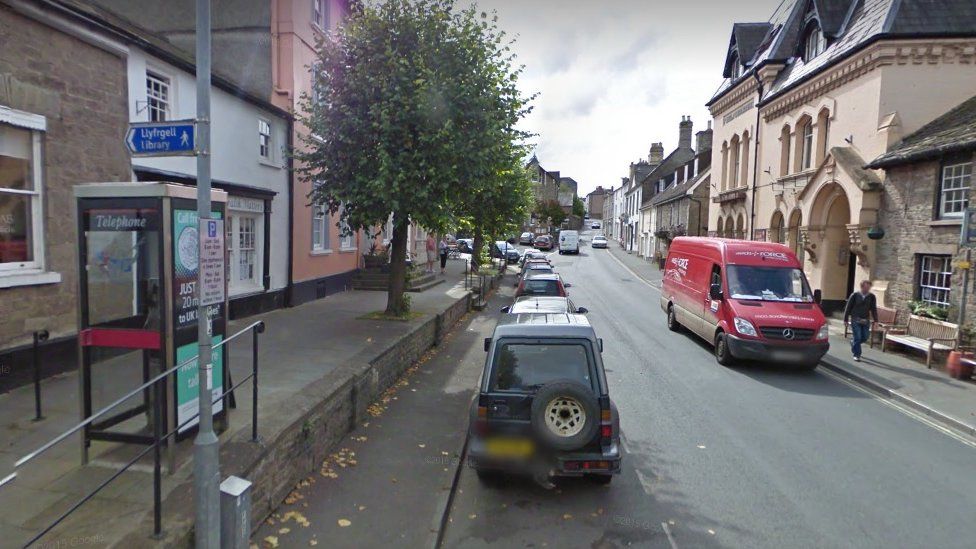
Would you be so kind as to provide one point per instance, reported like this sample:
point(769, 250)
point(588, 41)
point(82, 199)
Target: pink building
point(322, 261)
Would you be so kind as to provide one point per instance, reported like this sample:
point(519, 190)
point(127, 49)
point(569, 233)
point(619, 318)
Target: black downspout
point(290, 291)
point(755, 162)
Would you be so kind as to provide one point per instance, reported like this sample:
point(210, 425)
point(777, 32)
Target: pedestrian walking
point(442, 249)
point(431, 253)
point(861, 312)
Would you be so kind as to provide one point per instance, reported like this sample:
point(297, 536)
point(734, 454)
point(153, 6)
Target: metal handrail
point(122, 399)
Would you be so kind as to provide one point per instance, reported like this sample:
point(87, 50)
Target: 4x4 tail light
point(481, 425)
point(589, 465)
point(606, 422)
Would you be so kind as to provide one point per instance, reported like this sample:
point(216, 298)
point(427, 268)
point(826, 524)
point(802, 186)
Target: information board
point(212, 277)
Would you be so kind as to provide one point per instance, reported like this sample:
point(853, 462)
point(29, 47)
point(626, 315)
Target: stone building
point(681, 208)
point(59, 125)
point(928, 178)
point(808, 99)
point(595, 201)
point(656, 180)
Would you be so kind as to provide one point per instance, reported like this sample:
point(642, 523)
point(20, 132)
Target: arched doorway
point(793, 234)
point(729, 227)
point(835, 267)
point(776, 232)
point(740, 227)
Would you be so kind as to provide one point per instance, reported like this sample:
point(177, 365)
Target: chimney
point(703, 140)
point(684, 133)
point(657, 154)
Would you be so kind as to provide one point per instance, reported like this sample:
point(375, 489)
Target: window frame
point(320, 14)
point(264, 139)
point(321, 215)
point(806, 146)
point(965, 166)
point(236, 285)
point(164, 80)
point(944, 275)
point(814, 42)
point(35, 125)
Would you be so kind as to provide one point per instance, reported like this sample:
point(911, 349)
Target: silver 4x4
point(543, 406)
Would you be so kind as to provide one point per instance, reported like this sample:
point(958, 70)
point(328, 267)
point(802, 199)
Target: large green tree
point(405, 118)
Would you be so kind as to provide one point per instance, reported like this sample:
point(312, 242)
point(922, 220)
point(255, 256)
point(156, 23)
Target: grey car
point(543, 304)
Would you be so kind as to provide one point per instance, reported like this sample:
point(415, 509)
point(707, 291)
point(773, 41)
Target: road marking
point(667, 532)
point(645, 482)
point(907, 411)
point(631, 271)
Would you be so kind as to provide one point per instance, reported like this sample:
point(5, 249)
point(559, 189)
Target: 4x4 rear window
point(541, 287)
point(524, 367)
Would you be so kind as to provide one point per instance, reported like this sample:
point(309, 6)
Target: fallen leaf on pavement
point(362, 507)
point(284, 531)
point(313, 542)
point(422, 445)
point(710, 531)
point(701, 446)
point(567, 516)
point(272, 541)
point(472, 516)
point(344, 522)
point(297, 517)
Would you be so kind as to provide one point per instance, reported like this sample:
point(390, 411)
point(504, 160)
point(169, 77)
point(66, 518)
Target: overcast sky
point(616, 75)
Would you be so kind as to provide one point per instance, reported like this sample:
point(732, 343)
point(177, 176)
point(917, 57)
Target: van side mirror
point(582, 310)
point(599, 343)
point(567, 285)
point(715, 292)
point(487, 344)
point(505, 310)
point(817, 296)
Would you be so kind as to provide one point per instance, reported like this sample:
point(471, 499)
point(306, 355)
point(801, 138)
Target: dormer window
point(814, 42)
point(736, 67)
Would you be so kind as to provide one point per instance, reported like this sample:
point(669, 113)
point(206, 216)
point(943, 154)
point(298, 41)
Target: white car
point(599, 241)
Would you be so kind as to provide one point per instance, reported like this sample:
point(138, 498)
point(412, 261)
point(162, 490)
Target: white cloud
point(615, 76)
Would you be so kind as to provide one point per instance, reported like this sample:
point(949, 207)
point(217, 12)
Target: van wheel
point(673, 323)
point(722, 353)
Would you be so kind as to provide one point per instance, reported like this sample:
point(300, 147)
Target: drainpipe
point(697, 225)
point(755, 161)
point(290, 292)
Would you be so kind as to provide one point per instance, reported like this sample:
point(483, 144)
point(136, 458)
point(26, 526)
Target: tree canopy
point(414, 113)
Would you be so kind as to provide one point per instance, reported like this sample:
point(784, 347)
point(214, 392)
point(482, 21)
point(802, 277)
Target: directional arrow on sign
point(171, 138)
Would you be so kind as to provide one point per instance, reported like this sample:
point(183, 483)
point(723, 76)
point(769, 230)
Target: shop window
point(21, 195)
point(245, 249)
point(158, 97)
point(954, 190)
point(934, 279)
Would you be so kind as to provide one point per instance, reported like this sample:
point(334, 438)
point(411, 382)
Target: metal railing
point(159, 437)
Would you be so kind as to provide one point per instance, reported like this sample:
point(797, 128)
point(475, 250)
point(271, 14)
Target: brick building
point(928, 180)
point(63, 119)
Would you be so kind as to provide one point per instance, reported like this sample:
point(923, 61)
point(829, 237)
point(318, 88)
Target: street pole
point(206, 467)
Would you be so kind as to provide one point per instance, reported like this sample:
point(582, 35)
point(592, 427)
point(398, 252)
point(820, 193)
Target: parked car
point(534, 254)
point(543, 305)
point(543, 242)
point(526, 238)
point(465, 245)
point(542, 284)
point(751, 300)
point(543, 407)
point(569, 242)
point(595, 225)
point(533, 268)
point(502, 249)
point(599, 241)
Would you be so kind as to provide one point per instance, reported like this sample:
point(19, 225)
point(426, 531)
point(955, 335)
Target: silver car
point(599, 241)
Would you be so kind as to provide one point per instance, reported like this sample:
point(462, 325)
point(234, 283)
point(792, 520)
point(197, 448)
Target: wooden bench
point(925, 334)
point(887, 318)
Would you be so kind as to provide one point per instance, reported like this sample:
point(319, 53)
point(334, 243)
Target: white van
point(568, 242)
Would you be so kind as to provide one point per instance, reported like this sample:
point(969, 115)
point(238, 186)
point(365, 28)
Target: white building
point(248, 161)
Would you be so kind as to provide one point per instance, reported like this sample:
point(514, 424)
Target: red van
point(751, 300)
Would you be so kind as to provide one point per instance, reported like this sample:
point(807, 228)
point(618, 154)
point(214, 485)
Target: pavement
point(299, 346)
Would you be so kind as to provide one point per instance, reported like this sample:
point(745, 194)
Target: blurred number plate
point(509, 447)
point(786, 356)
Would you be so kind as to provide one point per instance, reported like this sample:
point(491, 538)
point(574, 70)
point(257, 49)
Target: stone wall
point(81, 91)
point(294, 442)
point(909, 218)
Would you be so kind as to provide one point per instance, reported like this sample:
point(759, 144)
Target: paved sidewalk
point(299, 346)
point(905, 380)
point(647, 270)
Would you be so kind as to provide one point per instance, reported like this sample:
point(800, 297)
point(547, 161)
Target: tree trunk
point(398, 268)
point(479, 241)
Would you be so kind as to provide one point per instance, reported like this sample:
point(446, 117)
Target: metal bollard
point(39, 337)
point(235, 513)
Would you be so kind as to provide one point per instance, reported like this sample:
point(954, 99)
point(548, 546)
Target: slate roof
point(678, 191)
point(746, 40)
point(679, 157)
point(954, 131)
point(849, 26)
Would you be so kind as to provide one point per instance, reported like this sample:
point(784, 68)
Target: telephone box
point(138, 252)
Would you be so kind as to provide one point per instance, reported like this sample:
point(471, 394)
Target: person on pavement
point(442, 249)
point(431, 253)
point(861, 311)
